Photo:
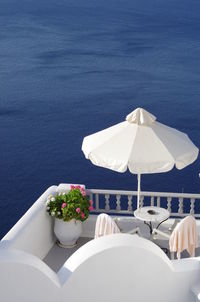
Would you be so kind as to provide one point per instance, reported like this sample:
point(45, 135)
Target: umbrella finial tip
point(140, 117)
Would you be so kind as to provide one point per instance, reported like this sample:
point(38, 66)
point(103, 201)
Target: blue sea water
point(71, 68)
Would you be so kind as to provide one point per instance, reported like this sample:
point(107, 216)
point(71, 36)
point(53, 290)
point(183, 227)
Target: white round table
point(152, 214)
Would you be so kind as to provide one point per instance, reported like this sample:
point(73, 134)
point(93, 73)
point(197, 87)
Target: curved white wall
point(118, 267)
point(124, 267)
point(33, 233)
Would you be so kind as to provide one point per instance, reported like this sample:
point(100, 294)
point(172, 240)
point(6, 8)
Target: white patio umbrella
point(141, 145)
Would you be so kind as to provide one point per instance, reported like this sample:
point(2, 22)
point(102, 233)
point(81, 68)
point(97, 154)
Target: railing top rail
point(143, 193)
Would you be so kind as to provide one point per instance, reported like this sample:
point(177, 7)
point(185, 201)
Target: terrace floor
point(58, 255)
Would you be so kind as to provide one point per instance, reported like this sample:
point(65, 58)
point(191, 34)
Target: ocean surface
point(71, 68)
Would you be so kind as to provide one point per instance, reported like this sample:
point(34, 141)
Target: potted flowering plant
point(69, 210)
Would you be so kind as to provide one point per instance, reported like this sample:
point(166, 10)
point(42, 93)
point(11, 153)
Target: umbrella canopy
point(140, 144)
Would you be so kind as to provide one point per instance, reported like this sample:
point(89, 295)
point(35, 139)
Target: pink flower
point(90, 208)
point(91, 202)
point(64, 205)
point(83, 193)
point(78, 210)
point(82, 215)
point(75, 187)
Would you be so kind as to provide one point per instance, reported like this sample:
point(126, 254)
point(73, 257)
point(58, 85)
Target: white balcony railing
point(125, 202)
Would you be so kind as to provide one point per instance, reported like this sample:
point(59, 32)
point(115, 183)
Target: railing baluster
point(169, 200)
point(152, 201)
point(180, 205)
point(130, 208)
point(96, 201)
point(91, 196)
point(141, 201)
point(107, 207)
point(158, 201)
point(192, 201)
point(118, 197)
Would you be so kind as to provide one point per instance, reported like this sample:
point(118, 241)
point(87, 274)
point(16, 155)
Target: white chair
point(106, 225)
point(183, 237)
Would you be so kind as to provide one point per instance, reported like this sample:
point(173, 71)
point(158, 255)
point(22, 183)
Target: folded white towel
point(184, 237)
point(105, 225)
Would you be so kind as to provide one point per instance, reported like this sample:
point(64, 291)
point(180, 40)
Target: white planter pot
point(67, 232)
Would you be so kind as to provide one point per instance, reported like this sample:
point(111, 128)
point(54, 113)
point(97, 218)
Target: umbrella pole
point(139, 189)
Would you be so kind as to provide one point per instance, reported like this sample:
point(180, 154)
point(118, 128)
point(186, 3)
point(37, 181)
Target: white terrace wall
point(124, 267)
point(25, 278)
point(33, 233)
point(113, 268)
point(118, 267)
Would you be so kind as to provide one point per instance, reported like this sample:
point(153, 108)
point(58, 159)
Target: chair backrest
point(184, 237)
